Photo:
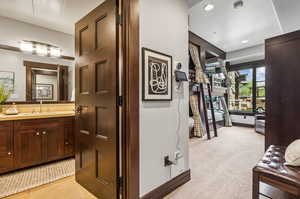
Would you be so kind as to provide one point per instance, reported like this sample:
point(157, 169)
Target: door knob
point(37, 133)
point(78, 109)
point(9, 153)
point(44, 132)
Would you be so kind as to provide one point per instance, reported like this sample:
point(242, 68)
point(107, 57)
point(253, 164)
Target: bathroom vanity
point(31, 139)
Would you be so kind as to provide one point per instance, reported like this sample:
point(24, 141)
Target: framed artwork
point(157, 76)
point(44, 92)
point(7, 79)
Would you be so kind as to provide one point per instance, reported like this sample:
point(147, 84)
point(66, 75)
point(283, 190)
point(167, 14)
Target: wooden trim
point(42, 72)
point(131, 76)
point(169, 186)
point(212, 49)
point(283, 38)
point(246, 65)
point(16, 49)
point(40, 65)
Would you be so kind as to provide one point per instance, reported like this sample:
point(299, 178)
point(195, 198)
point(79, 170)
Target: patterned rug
point(23, 180)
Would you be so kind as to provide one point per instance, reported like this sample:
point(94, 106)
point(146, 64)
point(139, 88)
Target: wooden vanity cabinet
point(38, 141)
point(6, 146)
point(69, 138)
point(25, 143)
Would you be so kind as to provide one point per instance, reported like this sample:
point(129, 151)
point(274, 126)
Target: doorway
point(107, 100)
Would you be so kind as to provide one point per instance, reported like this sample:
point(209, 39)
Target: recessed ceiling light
point(245, 41)
point(209, 7)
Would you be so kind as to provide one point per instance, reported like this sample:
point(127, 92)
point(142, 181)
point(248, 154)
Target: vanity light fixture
point(41, 49)
point(209, 7)
point(26, 46)
point(245, 41)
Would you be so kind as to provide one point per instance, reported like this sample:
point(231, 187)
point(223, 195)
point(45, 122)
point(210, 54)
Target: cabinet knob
point(44, 132)
point(9, 153)
point(37, 133)
point(67, 143)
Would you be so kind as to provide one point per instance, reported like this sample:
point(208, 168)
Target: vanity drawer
point(36, 124)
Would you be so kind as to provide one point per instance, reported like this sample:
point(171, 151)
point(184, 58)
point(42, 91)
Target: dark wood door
point(96, 101)
point(6, 146)
point(28, 146)
point(53, 140)
point(282, 89)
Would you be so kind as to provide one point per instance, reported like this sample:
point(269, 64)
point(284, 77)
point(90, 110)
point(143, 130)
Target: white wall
point(164, 28)
point(12, 32)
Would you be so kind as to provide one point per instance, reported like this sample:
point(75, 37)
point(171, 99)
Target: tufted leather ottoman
point(271, 170)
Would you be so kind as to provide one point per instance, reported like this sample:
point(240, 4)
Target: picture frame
point(7, 79)
point(157, 81)
point(44, 92)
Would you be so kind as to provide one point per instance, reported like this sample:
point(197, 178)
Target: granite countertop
point(37, 115)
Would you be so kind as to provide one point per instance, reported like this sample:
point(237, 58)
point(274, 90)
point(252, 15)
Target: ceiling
point(227, 27)
point(60, 15)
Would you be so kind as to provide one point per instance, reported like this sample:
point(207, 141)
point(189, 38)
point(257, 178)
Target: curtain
point(195, 55)
point(198, 126)
point(228, 121)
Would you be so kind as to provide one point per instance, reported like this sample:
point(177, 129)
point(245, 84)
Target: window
point(240, 97)
point(247, 90)
point(260, 89)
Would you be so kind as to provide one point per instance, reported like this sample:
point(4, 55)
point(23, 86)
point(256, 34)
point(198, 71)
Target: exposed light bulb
point(245, 41)
point(26, 46)
point(55, 52)
point(41, 49)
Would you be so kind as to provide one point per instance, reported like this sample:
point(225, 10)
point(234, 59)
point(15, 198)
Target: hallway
point(222, 168)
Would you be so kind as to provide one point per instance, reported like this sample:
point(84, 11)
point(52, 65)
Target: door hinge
point(120, 183)
point(119, 19)
point(120, 101)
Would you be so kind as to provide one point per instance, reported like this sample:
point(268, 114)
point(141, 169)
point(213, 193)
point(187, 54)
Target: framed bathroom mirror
point(39, 81)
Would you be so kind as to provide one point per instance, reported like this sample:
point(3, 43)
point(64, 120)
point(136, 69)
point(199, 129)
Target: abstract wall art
point(157, 76)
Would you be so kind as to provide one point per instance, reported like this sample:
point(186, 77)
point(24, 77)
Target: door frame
point(131, 96)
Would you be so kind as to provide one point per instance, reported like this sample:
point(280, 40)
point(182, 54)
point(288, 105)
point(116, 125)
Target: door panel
point(96, 101)
point(29, 150)
point(6, 146)
point(53, 140)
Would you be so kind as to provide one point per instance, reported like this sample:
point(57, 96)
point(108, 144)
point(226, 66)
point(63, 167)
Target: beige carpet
point(222, 167)
point(29, 178)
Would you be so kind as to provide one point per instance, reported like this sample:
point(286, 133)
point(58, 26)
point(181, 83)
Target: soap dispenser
point(12, 110)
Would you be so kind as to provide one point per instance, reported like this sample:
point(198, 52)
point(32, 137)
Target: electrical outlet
point(168, 162)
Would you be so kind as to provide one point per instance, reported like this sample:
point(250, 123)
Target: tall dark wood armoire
point(283, 89)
